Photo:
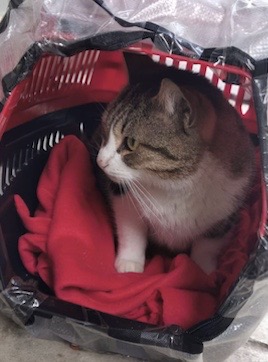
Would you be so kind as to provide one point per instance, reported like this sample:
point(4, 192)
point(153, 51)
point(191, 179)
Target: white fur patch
point(110, 161)
point(107, 152)
point(132, 236)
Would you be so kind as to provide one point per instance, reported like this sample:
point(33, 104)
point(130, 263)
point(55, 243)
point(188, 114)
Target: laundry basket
point(59, 86)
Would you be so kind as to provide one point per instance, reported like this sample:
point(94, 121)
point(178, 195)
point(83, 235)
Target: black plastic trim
point(161, 37)
point(13, 4)
point(172, 337)
point(108, 41)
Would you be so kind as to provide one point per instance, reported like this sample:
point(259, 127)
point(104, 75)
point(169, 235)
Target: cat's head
point(150, 133)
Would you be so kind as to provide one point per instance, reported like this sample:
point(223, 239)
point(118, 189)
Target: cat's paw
point(128, 266)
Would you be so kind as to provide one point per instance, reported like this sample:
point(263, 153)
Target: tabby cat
point(184, 163)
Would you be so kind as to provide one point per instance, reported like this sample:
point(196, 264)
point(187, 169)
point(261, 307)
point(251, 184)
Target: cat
point(184, 163)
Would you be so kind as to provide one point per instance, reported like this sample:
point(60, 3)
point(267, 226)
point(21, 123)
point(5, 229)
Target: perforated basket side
point(24, 151)
point(239, 93)
point(61, 82)
point(97, 76)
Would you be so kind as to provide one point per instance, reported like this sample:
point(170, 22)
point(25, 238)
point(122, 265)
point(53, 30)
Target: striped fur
point(186, 171)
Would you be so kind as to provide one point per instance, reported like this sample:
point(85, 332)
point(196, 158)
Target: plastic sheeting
point(240, 23)
point(189, 27)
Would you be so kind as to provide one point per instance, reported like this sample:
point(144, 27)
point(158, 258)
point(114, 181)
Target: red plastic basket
point(92, 76)
point(97, 76)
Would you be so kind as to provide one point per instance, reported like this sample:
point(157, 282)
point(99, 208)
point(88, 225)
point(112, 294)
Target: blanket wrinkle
point(69, 243)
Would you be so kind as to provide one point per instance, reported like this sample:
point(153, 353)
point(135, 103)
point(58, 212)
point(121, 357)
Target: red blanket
point(69, 244)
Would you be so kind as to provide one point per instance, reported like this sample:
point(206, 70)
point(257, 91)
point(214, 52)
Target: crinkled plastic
point(222, 32)
point(240, 23)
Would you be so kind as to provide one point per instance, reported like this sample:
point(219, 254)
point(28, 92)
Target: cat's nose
point(102, 161)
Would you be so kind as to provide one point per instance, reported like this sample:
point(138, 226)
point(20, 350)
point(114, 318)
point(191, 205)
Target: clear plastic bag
point(223, 33)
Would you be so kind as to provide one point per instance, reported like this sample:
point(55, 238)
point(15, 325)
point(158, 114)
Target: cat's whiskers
point(145, 197)
point(121, 176)
point(129, 198)
point(148, 195)
point(153, 212)
point(136, 196)
point(139, 195)
point(121, 188)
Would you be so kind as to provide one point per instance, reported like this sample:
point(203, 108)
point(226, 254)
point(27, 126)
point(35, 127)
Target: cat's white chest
point(169, 218)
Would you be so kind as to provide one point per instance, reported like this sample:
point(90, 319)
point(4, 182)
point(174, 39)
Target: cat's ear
point(169, 95)
point(173, 100)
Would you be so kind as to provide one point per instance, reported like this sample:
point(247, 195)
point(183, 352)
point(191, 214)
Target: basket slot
point(51, 140)
point(247, 102)
point(82, 127)
point(182, 65)
point(221, 85)
point(169, 61)
point(7, 173)
point(156, 57)
point(14, 168)
point(27, 156)
point(196, 68)
point(245, 108)
point(211, 76)
point(45, 143)
point(39, 144)
point(20, 163)
point(15, 162)
point(57, 137)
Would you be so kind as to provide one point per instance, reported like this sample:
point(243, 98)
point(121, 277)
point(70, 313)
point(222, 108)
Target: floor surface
point(18, 346)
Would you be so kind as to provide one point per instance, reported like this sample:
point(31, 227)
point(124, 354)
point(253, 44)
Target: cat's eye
point(131, 143)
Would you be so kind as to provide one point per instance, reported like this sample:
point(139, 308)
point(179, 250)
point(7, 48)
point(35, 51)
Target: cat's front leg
point(131, 234)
